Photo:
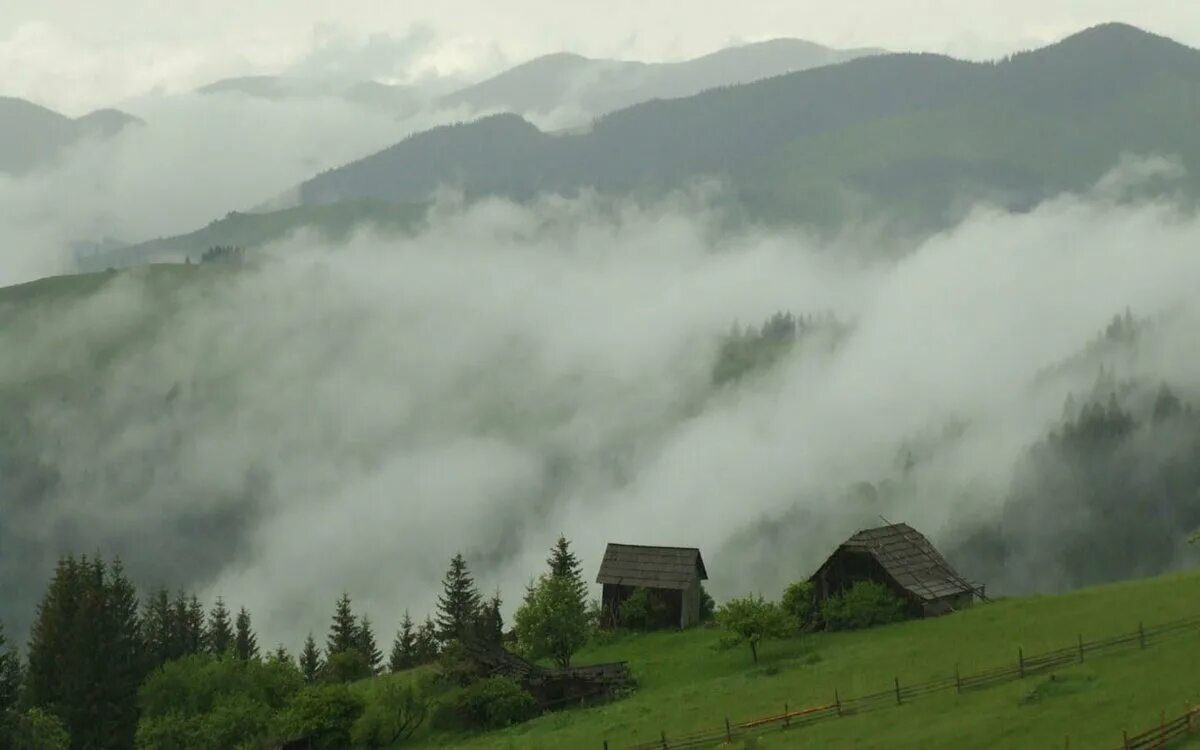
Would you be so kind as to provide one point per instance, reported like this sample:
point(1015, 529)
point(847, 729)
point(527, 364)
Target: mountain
point(32, 136)
point(917, 136)
point(394, 99)
point(595, 87)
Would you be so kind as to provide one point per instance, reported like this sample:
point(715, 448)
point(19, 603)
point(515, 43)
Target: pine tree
point(491, 623)
point(158, 628)
point(426, 648)
point(404, 654)
point(10, 674)
point(245, 643)
point(87, 635)
point(343, 632)
point(187, 626)
point(196, 629)
point(458, 605)
point(220, 631)
point(365, 643)
point(280, 655)
point(564, 564)
point(310, 660)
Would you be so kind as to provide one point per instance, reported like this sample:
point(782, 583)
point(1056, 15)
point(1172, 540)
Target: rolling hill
point(915, 136)
point(32, 136)
point(595, 87)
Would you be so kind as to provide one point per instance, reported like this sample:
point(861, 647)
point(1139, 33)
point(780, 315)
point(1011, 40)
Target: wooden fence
point(1165, 732)
point(902, 692)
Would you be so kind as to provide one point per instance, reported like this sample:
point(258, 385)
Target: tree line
point(100, 659)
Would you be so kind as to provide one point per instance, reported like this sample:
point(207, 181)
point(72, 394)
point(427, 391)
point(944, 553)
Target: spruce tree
point(426, 648)
point(458, 605)
point(220, 630)
point(280, 655)
point(310, 660)
point(491, 622)
point(158, 628)
point(10, 675)
point(245, 643)
point(86, 636)
point(187, 626)
point(365, 643)
point(343, 632)
point(564, 564)
point(404, 648)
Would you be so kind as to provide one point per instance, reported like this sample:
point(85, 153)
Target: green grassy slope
point(686, 686)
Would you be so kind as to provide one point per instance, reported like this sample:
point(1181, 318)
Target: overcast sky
point(79, 54)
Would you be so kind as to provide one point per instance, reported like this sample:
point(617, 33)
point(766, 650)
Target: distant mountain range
point(395, 99)
point(32, 136)
point(920, 136)
point(596, 87)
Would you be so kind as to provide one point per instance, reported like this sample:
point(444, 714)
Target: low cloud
point(347, 418)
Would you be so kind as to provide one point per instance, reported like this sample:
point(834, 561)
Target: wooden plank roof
point(911, 561)
point(651, 567)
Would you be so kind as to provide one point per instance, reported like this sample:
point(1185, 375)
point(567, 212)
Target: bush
point(799, 602)
point(322, 714)
point(708, 607)
point(863, 605)
point(493, 703)
point(346, 666)
point(393, 713)
point(35, 730)
point(641, 611)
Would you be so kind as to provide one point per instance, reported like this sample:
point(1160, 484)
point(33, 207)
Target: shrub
point(751, 620)
point(347, 666)
point(493, 703)
point(322, 714)
point(708, 608)
point(863, 605)
point(393, 713)
point(799, 602)
point(641, 611)
point(35, 730)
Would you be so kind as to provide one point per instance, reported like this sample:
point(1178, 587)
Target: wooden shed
point(670, 575)
point(901, 558)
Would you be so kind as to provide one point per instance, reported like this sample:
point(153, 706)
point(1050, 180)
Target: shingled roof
point(911, 561)
point(651, 567)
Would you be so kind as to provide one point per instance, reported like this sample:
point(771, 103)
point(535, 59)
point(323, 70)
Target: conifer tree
point(458, 605)
point(280, 655)
point(86, 634)
point(310, 660)
point(343, 632)
point(491, 622)
point(365, 643)
point(404, 648)
point(245, 643)
point(158, 628)
point(564, 564)
point(187, 626)
point(426, 649)
point(10, 675)
point(220, 630)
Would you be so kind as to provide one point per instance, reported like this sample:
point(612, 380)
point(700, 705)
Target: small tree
point(426, 642)
point(552, 621)
point(365, 644)
point(10, 675)
point(458, 605)
point(395, 712)
point(865, 604)
point(404, 648)
point(752, 620)
point(220, 631)
point(36, 730)
point(322, 715)
point(343, 631)
point(281, 655)
point(245, 643)
point(490, 627)
point(798, 602)
point(310, 660)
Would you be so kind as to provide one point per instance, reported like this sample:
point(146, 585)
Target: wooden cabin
point(902, 559)
point(670, 575)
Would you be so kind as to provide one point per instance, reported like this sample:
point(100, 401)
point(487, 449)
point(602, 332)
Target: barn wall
point(690, 615)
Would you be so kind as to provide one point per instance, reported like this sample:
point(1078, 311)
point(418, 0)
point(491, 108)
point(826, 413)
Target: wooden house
point(671, 577)
point(902, 559)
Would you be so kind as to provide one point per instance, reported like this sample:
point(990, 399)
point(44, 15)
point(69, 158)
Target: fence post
point(787, 717)
point(1125, 740)
point(1162, 728)
point(897, 691)
point(728, 733)
point(837, 702)
point(1081, 648)
point(1021, 662)
point(1141, 636)
point(606, 745)
point(957, 680)
point(664, 739)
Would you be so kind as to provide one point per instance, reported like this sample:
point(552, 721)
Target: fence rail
point(900, 693)
point(1165, 732)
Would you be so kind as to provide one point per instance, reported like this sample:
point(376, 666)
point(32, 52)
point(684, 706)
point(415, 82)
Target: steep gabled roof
point(910, 560)
point(651, 567)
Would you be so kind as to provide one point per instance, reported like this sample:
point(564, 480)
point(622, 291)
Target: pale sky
point(75, 55)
